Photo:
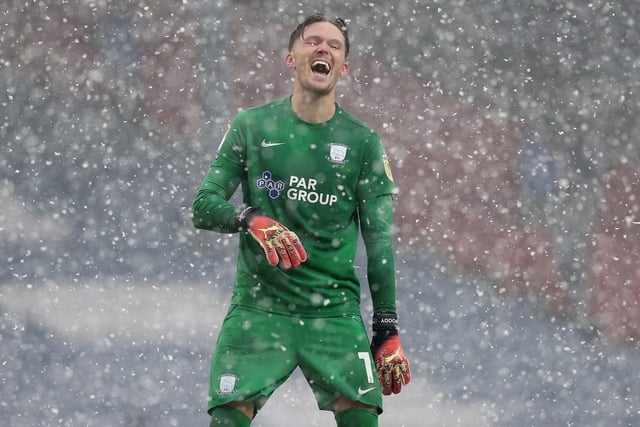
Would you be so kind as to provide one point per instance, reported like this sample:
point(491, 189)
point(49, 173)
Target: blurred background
point(512, 131)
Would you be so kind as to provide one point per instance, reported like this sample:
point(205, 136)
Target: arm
point(376, 216)
point(211, 209)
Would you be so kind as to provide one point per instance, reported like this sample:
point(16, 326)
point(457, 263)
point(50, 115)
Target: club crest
point(338, 153)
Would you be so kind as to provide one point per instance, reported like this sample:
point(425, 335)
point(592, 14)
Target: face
point(318, 58)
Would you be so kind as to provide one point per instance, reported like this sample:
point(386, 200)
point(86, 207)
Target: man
point(312, 176)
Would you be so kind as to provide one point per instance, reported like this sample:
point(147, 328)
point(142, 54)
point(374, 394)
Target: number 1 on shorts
point(367, 364)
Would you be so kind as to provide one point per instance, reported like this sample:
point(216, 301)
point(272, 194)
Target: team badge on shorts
point(337, 153)
point(227, 384)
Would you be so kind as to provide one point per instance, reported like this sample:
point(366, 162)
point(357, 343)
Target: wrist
point(243, 218)
point(385, 326)
point(385, 321)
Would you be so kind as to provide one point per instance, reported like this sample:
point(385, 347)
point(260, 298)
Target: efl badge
point(227, 384)
point(387, 168)
point(337, 153)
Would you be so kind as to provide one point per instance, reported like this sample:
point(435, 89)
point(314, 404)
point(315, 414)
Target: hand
point(391, 363)
point(278, 242)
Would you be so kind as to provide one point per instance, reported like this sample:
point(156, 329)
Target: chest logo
point(273, 186)
point(267, 144)
point(338, 153)
point(299, 188)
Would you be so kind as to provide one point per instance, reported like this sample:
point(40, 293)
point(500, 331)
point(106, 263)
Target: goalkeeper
point(312, 178)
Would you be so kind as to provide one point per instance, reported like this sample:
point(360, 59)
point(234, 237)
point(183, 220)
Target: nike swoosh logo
point(365, 391)
point(393, 356)
point(266, 144)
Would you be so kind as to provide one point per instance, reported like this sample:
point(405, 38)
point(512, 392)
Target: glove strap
point(244, 217)
point(385, 321)
point(385, 325)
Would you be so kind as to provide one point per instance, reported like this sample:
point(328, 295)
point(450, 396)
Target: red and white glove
point(278, 242)
point(391, 363)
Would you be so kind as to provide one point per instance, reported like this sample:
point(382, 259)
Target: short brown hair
point(318, 17)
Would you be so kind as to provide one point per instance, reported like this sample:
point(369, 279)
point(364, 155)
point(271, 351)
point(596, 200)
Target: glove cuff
point(385, 326)
point(243, 218)
point(385, 321)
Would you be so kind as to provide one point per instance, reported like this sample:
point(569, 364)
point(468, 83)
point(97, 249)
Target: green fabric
point(357, 417)
point(227, 416)
point(257, 351)
point(318, 180)
point(376, 221)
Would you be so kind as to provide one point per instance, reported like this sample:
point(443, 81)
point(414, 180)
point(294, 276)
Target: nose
point(323, 46)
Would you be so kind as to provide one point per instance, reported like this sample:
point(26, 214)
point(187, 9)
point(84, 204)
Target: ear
point(345, 70)
point(289, 60)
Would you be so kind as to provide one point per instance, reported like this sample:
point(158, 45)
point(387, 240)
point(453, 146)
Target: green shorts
point(257, 351)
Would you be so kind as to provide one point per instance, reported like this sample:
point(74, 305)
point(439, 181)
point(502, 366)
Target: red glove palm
point(392, 365)
point(278, 242)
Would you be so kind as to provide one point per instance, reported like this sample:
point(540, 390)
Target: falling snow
point(512, 132)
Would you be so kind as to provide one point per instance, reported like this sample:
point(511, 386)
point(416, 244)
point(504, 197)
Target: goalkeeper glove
point(278, 242)
point(391, 363)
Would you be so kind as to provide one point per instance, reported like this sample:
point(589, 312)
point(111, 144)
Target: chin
point(322, 89)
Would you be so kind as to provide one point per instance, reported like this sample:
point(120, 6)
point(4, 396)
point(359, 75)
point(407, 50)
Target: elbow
point(197, 223)
point(197, 218)
point(202, 224)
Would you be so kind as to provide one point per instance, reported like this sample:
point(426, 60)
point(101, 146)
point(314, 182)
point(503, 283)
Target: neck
point(313, 108)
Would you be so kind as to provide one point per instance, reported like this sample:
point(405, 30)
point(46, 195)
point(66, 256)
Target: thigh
point(254, 355)
point(335, 358)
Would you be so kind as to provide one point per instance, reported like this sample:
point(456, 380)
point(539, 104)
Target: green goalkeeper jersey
point(313, 178)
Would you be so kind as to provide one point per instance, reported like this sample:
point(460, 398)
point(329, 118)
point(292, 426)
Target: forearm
point(212, 212)
point(376, 217)
point(381, 275)
point(391, 363)
point(211, 209)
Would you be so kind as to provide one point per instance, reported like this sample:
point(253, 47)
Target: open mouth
point(321, 67)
